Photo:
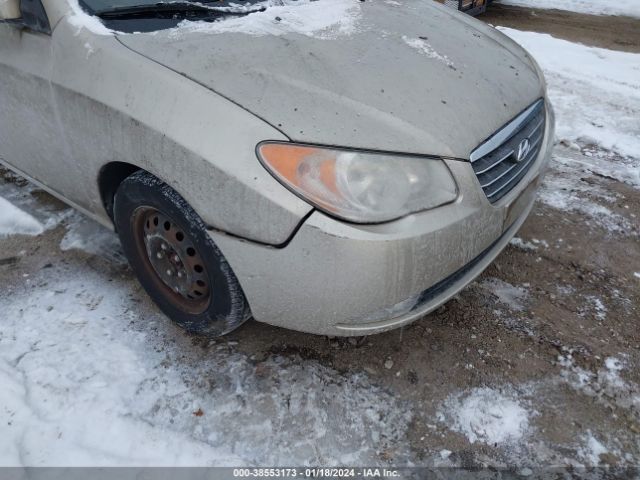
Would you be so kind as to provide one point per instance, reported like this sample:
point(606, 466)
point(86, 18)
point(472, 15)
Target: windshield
point(102, 5)
point(130, 16)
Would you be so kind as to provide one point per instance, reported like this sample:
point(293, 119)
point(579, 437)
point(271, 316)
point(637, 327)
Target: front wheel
point(174, 258)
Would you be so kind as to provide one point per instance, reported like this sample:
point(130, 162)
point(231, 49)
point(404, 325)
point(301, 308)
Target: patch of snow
point(576, 376)
point(596, 96)
point(563, 189)
point(592, 449)
point(324, 19)
point(568, 201)
point(609, 164)
point(606, 384)
point(611, 373)
point(486, 415)
point(81, 20)
point(636, 274)
point(542, 243)
point(613, 364)
point(507, 294)
point(77, 358)
point(444, 454)
point(630, 8)
point(29, 198)
point(89, 48)
point(528, 246)
point(522, 244)
point(597, 306)
point(91, 237)
point(423, 46)
point(566, 289)
point(14, 221)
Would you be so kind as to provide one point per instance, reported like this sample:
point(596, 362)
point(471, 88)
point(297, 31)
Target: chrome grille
point(505, 158)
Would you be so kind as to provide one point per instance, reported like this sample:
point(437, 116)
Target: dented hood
point(408, 76)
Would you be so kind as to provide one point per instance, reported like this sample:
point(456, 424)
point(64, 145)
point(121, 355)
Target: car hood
point(410, 77)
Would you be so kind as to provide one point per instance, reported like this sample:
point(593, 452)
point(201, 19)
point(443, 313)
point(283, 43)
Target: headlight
point(358, 186)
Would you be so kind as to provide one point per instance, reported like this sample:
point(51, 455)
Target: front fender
point(116, 105)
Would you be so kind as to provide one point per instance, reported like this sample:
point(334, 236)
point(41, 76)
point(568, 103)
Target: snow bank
point(14, 221)
point(314, 18)
point(630, 8)
point(486, 415)
point(596, 95)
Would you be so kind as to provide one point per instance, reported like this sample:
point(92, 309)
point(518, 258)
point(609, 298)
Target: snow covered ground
point(92, 374)
point(629, 8)
point(595, 93)
point(87, 380)
point(596, 97)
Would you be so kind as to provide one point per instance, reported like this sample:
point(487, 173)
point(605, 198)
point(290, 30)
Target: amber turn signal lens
point(291, 162)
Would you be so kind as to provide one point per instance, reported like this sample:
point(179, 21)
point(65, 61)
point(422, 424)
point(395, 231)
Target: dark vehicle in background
point(472, 7)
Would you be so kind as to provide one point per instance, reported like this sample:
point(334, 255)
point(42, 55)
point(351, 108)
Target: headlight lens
point(358, 186)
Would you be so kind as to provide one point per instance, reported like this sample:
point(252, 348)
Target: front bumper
point(335, 278)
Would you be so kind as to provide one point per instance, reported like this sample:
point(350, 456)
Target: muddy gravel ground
point(617, 33)
point(534, 364)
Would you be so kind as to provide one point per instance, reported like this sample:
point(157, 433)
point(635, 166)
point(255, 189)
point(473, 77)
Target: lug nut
point(176, 258)
point(160, 254)
point(163, 246)
point(180, 274)
point(169, 272)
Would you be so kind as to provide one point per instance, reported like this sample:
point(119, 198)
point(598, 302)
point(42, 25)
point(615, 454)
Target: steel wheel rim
point(172, 260)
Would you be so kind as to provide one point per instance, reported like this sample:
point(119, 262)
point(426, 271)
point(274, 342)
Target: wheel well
point(109, 179)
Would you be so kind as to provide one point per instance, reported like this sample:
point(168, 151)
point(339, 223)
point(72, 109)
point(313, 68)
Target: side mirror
point(25, 14)
point(10, 10)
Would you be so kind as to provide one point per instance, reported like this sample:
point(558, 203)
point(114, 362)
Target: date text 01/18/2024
point(320, 472)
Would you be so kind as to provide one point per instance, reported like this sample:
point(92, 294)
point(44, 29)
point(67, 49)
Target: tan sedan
point(333, 166)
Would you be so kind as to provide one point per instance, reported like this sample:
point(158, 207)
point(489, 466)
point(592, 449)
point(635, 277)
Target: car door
point(30, 139)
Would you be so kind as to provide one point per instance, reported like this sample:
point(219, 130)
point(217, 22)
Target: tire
point(174, 258)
